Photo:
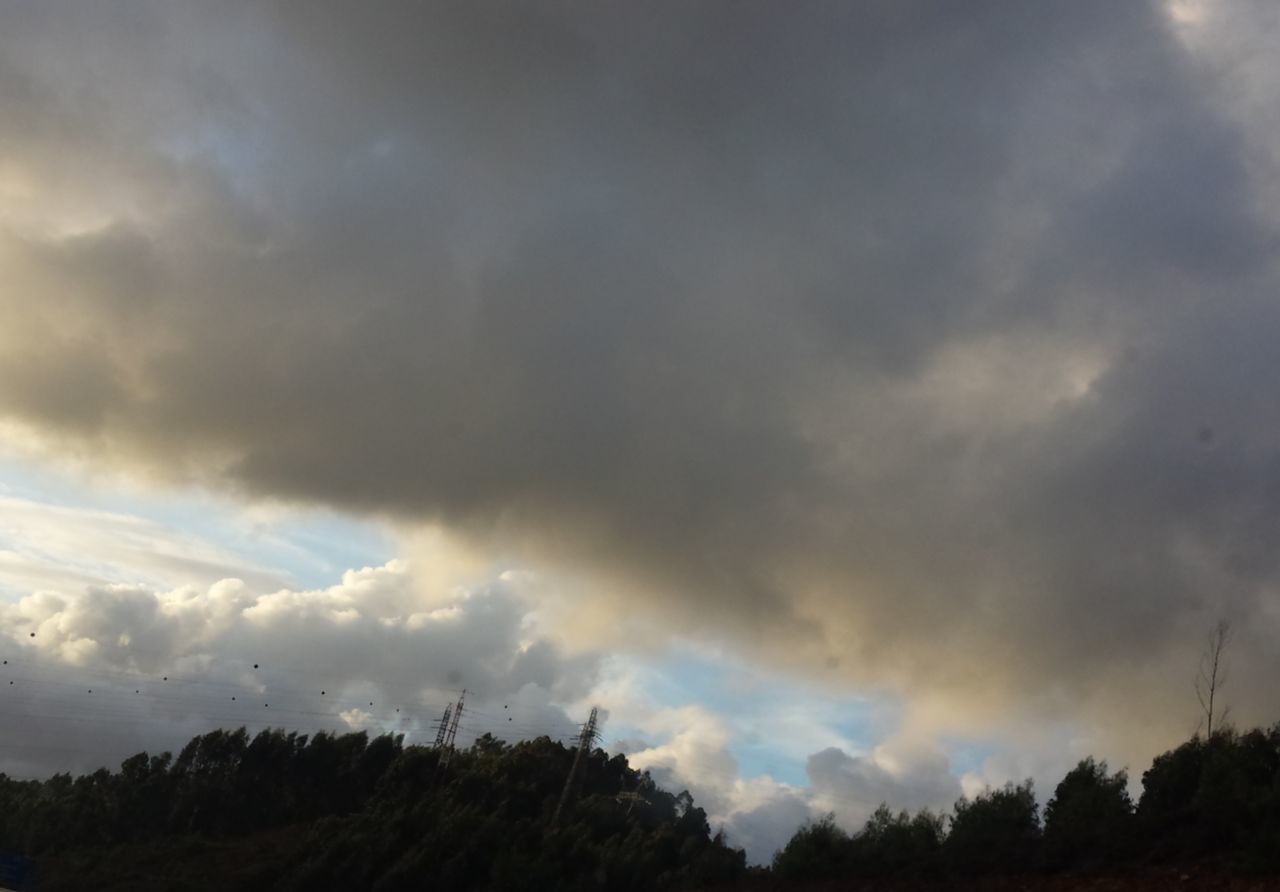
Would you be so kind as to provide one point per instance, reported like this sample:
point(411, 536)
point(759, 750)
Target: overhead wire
point(40, 690)
point(180, 697)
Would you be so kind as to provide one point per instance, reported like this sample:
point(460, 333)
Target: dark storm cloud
point(881, 332)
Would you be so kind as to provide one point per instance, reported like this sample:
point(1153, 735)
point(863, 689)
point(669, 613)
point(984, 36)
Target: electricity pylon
point(589, 733)
point(443, 728)
point(452, 733)
point(445, 736)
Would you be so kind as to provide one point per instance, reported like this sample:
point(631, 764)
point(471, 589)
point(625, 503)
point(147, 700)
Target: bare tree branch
point(1212, 675)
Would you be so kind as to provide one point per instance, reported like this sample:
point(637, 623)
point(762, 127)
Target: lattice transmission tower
point(590, 731)
point(442, 729)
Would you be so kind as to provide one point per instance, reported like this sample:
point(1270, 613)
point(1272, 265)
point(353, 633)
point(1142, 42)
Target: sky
point(857, 402)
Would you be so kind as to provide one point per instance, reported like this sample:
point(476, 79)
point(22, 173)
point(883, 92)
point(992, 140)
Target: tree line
point(282, 810)
point(1214, 798)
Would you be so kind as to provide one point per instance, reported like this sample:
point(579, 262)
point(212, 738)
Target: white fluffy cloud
point(692, 747)
point(908, 776)
point(115, 668)
point(371, 651)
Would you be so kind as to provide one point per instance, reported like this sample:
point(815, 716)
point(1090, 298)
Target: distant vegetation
point(1214, 799)
point(284, 811)
point(281, 811)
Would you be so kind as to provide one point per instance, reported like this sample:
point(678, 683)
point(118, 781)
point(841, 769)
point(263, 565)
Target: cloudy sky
point(858, 402)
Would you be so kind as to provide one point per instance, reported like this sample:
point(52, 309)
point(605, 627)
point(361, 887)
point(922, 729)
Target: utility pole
point(588, 737)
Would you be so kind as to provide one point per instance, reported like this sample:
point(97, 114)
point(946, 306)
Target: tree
point(816, 851)
point(898, 843)
point(1212, 675)
point(997, 830)
point(1089, 819)
point(1217, 795)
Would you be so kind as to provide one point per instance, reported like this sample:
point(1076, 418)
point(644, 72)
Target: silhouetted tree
point(1089, 820)
point(995, 831)
point(359, 813)
point(818, 850)
point(901, 843)
point(1215, 795)
point(1212, 676)
point(377, 816)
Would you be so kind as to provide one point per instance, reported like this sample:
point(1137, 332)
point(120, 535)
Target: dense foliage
point(287, 811)
point(1089, 820)
point(995, 831)
point(1216, 795)
point(348, 812)
point(818, 850)
point(1215, 798)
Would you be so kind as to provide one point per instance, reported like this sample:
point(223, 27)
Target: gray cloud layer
point(928, 341)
